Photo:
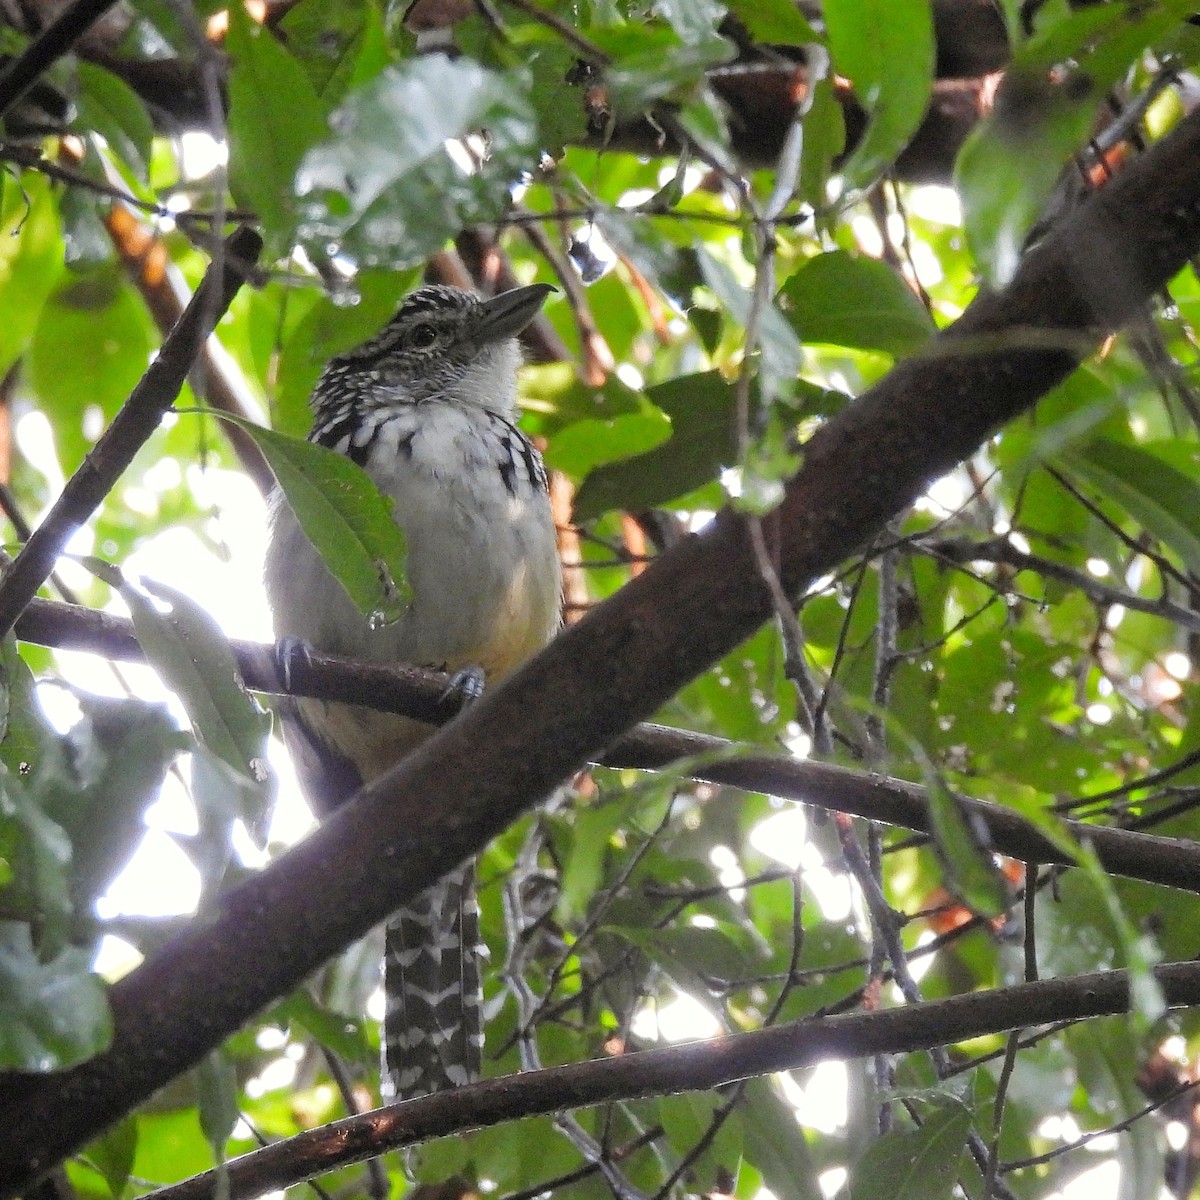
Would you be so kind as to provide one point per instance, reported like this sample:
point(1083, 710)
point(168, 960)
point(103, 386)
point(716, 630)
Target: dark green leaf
point(886, 49)
point(921, 1164)
point(338, 46)
point(970, 872)
point(687, 1119)
point(52, 1014)
point(345, 517)
point(858, 302)
point(701, 411)
point(275, 115)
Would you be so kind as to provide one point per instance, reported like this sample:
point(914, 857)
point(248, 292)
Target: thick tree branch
point(624, 659)
point(137, 420)
point(693, 1067)
point(413, 692)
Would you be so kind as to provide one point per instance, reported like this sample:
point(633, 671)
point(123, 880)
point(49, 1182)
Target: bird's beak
point(507, 314)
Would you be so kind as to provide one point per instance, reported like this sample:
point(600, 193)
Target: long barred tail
point(432, 1024)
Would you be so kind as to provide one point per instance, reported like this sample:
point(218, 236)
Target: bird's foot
point(288, 652)
point(466, 685)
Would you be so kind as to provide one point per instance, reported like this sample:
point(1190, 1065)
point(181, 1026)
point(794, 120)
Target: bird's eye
point(422, 336)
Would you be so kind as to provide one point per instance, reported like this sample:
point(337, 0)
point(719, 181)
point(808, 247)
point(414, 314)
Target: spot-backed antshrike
point(428, 408)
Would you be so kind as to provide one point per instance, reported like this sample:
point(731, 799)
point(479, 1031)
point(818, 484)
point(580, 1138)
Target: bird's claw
point(465, 686)
point(289, 650)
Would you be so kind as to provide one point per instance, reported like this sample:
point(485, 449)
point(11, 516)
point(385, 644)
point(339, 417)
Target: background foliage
point(752, 211)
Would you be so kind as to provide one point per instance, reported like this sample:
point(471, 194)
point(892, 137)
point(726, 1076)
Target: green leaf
point(92, 345)
point(31, 259)
point(336, 1031)
point(585, 445)
point(651, 63)
point(339, 46)
point(847, 300)
point(780, 355)
point(346, 518)
point(112, 1155)
point(275, 115)
point(52, 1014)
point(686, 1119)
point(701, 411)
point(824, 142)
point(1161, 494)
point(35, 860)
point(217, 1100)
point(328, 328)
point(116, 757)
point(886, 49)
point(920, 1164)
point(110, 107)
point(777, 21)
point(1010, 164)
point(398, 207)
point(191, 654)
point(775, 1143)
point(970, 872)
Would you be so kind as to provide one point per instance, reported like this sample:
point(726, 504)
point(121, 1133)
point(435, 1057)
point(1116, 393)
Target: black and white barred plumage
point(428, 408)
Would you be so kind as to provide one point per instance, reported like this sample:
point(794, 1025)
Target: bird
point(428, 407)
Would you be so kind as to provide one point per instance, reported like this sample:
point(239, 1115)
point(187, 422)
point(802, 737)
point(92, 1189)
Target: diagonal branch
point(137, 420)
point(418, 693)
point(691, 1067)
point(21, 73)
point(444, 802)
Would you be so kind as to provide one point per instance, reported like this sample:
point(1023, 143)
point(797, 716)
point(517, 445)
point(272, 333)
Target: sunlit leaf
point(91, 347)
point(886, 49)
point(398, 207)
